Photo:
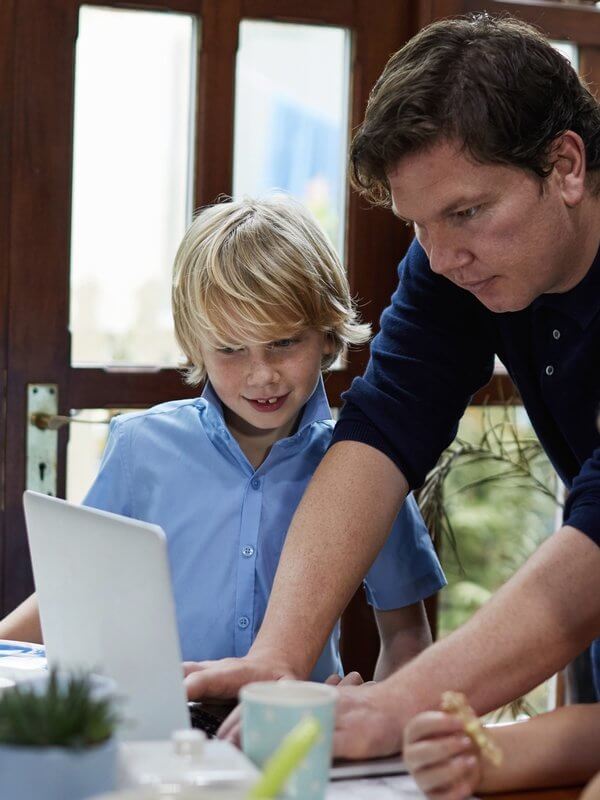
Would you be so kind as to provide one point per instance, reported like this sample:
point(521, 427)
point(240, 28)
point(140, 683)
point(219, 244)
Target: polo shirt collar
point(582, 302)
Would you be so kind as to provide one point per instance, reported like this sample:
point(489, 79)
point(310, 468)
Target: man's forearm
point(337, 531)
point(543, 617)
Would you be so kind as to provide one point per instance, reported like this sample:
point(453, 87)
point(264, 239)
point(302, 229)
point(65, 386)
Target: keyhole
point(42, 471)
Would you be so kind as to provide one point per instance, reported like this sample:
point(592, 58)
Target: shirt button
point(243, 622)
point(556, 333)
point(255, 483)
point(549, 370)
point(248, 551)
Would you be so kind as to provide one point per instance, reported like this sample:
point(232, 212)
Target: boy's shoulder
point(173, 411)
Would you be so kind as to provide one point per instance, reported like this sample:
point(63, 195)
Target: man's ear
point(567, 155)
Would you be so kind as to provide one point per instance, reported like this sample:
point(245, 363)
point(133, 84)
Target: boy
point(261, 306)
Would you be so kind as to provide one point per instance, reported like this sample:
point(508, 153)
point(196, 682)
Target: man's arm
point(404, 633)
point(339, 527)
point(23, 624)
point(534, 625)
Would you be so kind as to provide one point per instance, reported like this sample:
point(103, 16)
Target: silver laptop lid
point(104, 592)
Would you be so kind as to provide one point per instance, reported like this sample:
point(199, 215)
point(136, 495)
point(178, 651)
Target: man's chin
point(504, 305)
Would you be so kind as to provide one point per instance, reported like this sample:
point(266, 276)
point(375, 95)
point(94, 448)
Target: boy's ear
point(328, 344)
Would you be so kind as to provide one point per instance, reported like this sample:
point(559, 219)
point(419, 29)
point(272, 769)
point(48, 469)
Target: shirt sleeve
point(582, 509)
point(112, 488)
point(407, 568)
point(434, 350)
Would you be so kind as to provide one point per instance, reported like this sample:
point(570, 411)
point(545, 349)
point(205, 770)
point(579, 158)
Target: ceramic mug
point(270, 710)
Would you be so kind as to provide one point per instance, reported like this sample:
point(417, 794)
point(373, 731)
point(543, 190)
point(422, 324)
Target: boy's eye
point(284, 342)
point(227, 350)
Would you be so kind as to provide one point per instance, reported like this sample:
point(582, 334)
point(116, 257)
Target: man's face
point(488, 228)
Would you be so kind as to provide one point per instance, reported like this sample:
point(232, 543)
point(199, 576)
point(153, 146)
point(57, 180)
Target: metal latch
point(42, 443)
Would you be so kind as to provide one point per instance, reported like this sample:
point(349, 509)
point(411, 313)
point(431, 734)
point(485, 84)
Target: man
point(482, 138)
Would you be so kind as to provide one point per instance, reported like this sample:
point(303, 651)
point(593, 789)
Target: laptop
point(106, 605)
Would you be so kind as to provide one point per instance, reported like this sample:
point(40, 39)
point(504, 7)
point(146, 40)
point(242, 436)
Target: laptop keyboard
point(205, 720)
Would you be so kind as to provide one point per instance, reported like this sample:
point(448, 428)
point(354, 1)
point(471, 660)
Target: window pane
point(503, 500)
point(85, 448)
point(131, 181)
point(569, 51)
point(291, 129)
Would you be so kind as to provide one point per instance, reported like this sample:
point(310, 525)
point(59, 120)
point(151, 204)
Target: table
point(403, 787)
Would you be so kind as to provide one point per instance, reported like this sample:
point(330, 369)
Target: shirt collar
point(582, 302)
point(316, 409)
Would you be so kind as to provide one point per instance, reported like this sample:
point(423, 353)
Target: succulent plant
point(64, 714)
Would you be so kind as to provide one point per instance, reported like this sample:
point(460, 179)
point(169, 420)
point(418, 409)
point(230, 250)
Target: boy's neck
point(256, 443)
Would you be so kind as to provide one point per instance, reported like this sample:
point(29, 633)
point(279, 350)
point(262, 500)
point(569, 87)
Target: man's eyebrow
point(460, 202)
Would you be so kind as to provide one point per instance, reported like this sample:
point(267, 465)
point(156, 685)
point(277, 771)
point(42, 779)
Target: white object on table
point(149, 763)
point(20, 661)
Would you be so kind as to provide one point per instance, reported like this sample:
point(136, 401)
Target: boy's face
point(486, 227)
point(263, 387)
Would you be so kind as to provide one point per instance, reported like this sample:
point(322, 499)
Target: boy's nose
point(262, 374)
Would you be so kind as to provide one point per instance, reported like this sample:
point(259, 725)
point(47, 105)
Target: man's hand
point(223, 679)
point(367, 723)
point(231, 727)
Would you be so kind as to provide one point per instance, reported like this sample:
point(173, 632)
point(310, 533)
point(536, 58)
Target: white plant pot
point(57, 773)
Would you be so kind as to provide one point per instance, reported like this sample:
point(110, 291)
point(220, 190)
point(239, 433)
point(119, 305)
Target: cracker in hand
point(456, 703)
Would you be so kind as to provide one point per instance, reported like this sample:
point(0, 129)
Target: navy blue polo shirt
point(436, 348)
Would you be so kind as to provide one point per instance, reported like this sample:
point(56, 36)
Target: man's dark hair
point(493, 84)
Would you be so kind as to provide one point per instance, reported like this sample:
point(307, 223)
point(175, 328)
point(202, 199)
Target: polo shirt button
point(248, 551)
point(243, 622)
point(556, 333)
point(255, 483)
point(549, 370)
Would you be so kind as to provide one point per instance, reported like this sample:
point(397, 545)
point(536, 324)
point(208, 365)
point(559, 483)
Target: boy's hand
point(441, 757)
point(351, 679)
point(223, 679)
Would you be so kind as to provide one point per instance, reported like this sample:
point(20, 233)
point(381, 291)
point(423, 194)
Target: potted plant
point(56, 739)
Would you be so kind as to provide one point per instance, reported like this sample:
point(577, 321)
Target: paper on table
point(21, 660)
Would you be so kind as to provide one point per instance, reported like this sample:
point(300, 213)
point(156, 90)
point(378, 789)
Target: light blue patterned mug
point(270, 710)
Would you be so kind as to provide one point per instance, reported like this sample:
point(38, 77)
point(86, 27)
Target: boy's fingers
point(351, 679)
point(429, 752)
point(429, 724)
point(452, 772)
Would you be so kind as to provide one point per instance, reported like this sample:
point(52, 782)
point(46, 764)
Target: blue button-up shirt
point(177, 465)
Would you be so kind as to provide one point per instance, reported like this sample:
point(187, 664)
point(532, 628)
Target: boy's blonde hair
point(257, 271)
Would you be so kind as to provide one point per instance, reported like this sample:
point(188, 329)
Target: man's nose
point(446, 255)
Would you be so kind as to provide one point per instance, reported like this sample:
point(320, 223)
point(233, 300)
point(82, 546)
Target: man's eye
point(467, 213)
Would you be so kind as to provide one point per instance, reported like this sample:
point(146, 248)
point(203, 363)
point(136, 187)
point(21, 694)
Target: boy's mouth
point(268, 404)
